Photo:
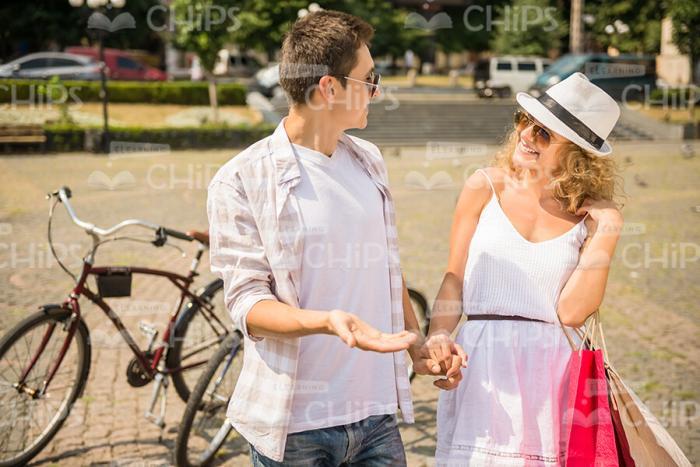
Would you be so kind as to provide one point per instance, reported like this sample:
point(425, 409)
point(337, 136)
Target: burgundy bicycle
point(45, 358)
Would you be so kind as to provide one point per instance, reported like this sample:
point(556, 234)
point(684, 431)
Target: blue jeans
point(372, 442)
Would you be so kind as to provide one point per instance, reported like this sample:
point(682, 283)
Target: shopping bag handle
point(592, 337)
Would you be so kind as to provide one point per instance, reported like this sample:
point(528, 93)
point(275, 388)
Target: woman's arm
point(447, 309)
point(409, 315)
point(584, 291)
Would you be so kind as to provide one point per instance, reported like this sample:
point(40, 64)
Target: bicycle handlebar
point(64, 194)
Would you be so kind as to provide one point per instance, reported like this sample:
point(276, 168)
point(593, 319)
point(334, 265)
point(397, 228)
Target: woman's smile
point(527, 151)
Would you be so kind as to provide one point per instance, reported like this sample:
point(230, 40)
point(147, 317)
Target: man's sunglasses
point(523, 120)
point(372, 85)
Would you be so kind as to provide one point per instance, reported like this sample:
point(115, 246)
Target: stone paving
point(651, 312)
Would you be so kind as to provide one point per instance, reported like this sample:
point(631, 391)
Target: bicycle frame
point(183, 283)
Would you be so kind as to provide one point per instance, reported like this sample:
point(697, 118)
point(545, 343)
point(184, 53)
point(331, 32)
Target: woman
point(530, 245)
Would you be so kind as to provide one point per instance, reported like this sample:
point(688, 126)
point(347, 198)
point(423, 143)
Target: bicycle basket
point(114, 284)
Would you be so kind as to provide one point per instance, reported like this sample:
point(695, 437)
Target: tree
point(528, 27)
point(685, 15)
point(631, 26)
point(686, 31)
point(471, 29)
point(47, 24)
point(391, 37)
point(204, 27)
point(264, 23)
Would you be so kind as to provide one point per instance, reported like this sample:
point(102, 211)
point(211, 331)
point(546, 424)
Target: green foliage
point(390, 35)
point(42, 24)
point(528, 27)
point(53, 92)
point(263, 24)
point(204, 27)
point(63, 137)
point(167, 92)
point(686, 28)
point(642, 17)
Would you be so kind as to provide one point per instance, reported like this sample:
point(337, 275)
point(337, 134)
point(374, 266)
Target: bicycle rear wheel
point(204, 427)
point(31, 416)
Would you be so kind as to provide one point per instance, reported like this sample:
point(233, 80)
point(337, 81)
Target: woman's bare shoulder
point(476, 192)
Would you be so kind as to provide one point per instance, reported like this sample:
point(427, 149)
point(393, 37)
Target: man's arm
point(238, 256)
point(275, 319)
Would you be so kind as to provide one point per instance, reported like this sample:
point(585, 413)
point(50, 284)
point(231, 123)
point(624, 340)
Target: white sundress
point(508, 408)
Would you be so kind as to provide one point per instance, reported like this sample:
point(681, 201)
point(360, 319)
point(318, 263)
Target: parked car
point(267, 81)
point(121, 65)
point(504, 76)
point(44, 65)
point(626, 77)
point(236, 65)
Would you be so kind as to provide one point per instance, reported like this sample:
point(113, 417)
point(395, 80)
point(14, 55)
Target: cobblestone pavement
point(651, 311)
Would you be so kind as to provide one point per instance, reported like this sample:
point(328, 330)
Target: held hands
point(439, 355)
point(357, 333)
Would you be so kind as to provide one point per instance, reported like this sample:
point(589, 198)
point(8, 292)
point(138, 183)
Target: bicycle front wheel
point(201, 328)
point(420, 307)
point(32, 412)
point(204, 428)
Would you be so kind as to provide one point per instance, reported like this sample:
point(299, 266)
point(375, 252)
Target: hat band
point(571, 121)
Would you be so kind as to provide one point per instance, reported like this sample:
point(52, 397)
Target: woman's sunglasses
point(523, 120)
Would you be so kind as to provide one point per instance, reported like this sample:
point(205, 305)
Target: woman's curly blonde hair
point(580, 175)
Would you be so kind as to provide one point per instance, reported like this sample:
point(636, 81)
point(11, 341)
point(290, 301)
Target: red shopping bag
point(589, 423)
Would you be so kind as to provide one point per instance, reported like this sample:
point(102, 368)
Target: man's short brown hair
point(321, 43)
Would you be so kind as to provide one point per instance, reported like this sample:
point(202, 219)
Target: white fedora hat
point(576, 109)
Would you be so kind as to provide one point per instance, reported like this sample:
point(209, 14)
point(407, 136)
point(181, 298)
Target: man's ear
point(326, 89)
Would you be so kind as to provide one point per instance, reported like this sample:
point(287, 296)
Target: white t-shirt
point(345, 266)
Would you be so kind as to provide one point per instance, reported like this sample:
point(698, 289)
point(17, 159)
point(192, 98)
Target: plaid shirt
point(256, 241)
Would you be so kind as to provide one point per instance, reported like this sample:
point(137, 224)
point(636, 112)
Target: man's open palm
point(357, 333)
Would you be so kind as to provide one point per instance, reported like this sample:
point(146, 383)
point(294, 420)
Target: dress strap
point(493, 189)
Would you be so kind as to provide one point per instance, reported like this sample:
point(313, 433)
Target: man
point(302, 231)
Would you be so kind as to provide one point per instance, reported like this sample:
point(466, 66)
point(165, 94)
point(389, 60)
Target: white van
point(504, 76)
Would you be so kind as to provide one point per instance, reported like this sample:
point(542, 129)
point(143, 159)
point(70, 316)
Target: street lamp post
point(99, 6)
point(575, 28)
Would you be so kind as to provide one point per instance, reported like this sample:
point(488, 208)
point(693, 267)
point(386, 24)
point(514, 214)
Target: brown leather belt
point(502, 318)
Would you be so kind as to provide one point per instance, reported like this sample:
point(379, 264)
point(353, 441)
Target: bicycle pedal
point(156, 420)
point(159, 392)
point(147, 329)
